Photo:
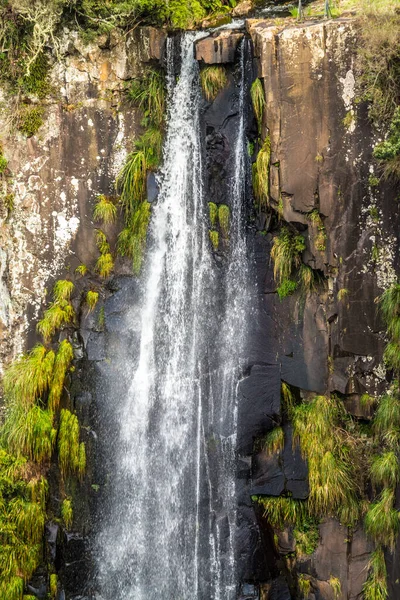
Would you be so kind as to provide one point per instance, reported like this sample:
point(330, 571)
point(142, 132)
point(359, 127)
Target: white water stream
point(171, 530)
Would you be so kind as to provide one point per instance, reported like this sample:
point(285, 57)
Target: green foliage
point(132, 239)
point(105, 210)
point(223, 219)
point(62, 363)
point(91, 300)
point(105, 263)
point(385, 470)
point(317, 428)
point(274, 440)
point(3, 162)
point(36, 81)
point(213, 212)
point(29, 433)
point(258, 101)
point(261, 174)
point(306, 278)
point(131, 181)
point(148, 93)
point(304, 585)
point(320, 237)
point(55, 317)
point(336, 586)
point(286, 254)
point(281, 510)
point(67, 514)
point(287, 400)
point(214, 239)
point(375, 588)
point(81, 270)
point(342, 294)
point(287, 288)
point(306, 535)
point(382, 520)
point(102, 242)
point(28, 378)
point(388, 151)
point(71, 453)
point(373, 180)
point(30, 119)
point(62, 290)
point(54, 584)
point(386, 423)
point(213, 79)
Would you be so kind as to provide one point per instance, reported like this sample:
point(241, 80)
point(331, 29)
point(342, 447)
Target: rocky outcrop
point(57, 174)
point(218, 48)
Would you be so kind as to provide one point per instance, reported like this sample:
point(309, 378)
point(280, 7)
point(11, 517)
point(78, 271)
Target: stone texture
point(219, 48)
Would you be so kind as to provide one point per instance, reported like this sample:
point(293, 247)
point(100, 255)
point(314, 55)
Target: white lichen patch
point(349, 86)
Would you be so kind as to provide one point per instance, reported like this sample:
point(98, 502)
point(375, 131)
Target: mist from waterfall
point(170, 529)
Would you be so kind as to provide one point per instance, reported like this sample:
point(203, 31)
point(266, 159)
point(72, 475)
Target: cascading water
point(171, 525)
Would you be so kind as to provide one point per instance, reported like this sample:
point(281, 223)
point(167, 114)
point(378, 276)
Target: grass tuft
point(213, 213)
point(62, 363)
point(71, 453)
point(382, 520)
point(132, 239)
point(105, 210)
point(104, 265)
point(28, 378)
point(214, 239)
point(81, 270)
point(375, 588)
point(258, 101)
point(67, 515)
point(281, 511)
point(286, 254)
point(91, 300)
point(213, 79)
point(30, 433)
point(148, 93)
point(223, 218)
point(261, 174)
point(385, 470)
point(274, 441)
point(386, 422)
point(304, 585)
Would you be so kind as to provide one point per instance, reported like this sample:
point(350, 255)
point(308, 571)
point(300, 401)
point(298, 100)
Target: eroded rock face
point(218, 49)
point(58, 173)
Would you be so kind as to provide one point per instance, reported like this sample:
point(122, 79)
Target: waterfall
point(170, 532)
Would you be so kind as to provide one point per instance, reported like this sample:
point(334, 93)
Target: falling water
point(171, 529)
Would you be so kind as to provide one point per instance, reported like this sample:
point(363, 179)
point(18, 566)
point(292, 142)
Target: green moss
point(304, 585)
point(373, 180)
point(287, 288)
point(36, 81)
point(53, 585)
point(320, 237)
point(30, 119)
point(306, 535)
point(213, 79)
point(3, 163)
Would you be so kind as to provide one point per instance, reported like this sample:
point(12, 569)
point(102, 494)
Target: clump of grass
point(317, 428)
point(105, 263)
point(62, 363)
point(342, 294)
point(214, 239)
point(306, 278)
point(320, 237)
point(223, 219)
point(102, 242)
point(132, 239)
point(105, 210)
point(375, 588)
point(91, 300)
point(382, 520)
point(336, 586)
point(388, 151)
point(148, 93)
point(261, 170)
point(30, 433)
point(287, 400)
point(213, 213)
point(258, 101)
point(281, 510)
point(3, 162)
point(58, 315)
point(81, 270)
point(274, 441)
point(71, 453)
point(304, 585)
point(386, 422)
point(62, 290)
point(286, 254)
point(53, 585)
point(385, 470)
point(213, 79)
point(67, 515)
point(28, 378)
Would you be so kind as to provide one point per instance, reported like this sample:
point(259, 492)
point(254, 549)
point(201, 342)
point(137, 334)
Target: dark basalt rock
point(220, 48)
